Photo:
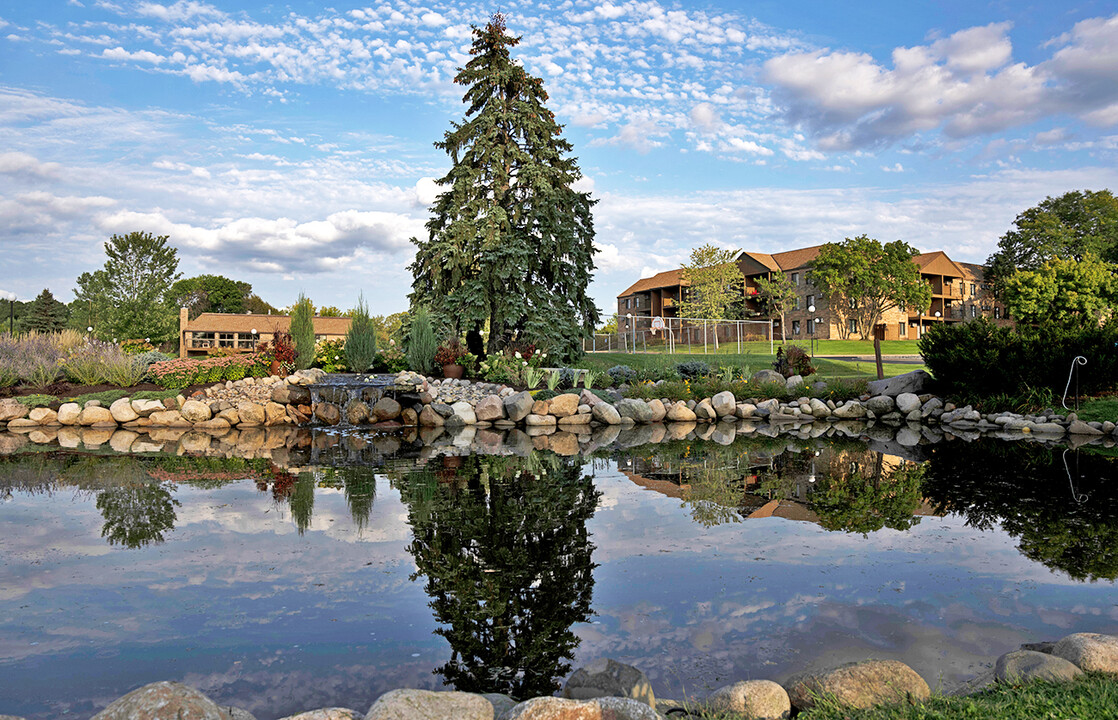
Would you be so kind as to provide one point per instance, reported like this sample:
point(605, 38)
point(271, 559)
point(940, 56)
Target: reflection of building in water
point(856, 490)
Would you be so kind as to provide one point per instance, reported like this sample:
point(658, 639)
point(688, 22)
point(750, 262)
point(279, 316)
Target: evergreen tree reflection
point(1061, 504)
point(504, 546)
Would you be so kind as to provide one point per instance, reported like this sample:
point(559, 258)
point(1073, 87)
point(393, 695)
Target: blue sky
point(290, 145)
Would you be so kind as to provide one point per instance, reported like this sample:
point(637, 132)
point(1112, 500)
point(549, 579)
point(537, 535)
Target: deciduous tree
point(864, 278)
point(210, 293)
point(714, 282)
point(778, 295)
point(1065, 292)
point(511, 241)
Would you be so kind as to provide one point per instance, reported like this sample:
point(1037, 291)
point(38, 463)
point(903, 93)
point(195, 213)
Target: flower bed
point(182, 373)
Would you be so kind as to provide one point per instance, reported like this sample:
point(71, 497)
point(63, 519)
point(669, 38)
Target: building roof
point(937, 263)
point(977, 272)
point(762, 259)
point(669, 278)
point(794, 259)
point(230, 322)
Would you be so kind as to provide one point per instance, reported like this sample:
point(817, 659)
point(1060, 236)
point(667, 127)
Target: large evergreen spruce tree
point(511, 242)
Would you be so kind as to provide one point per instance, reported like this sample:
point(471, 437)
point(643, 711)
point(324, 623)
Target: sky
point(291, 145)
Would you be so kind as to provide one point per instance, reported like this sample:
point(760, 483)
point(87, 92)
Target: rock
point(753, 699)
point(385, 409)
point(724, 403)
point(96, 416)
point(931, 406)
point(518, 406)
point(333, 713)
point(907, 402)
point(540, 420)
point(563, 405)
point(745, 410)
point(588, 398)
point(310, 376)
point(606, 414)
point(1078, 427)
point(275, 413)
point(195, 411)
point(636, 410)
point(22, 423)
point(658, 410)
point(251, 413)
point(357, 412)
point(68, 413)
point(1025, 665)
point(214, 425)
point(463, 414)
point(230, 416)
point(705, 411)
point(679, 412)
point(122, 411)
point(489, 409)
point(768, 376)
point(409, 417)
point(604, 708)
point(860, 685)
point(287, 394)
point(326, 413)
point(163, 701)
point(1090, 651)
point(850, 410)
point(43, 416)
point(914, 382)
point(795, 382)
point(608, 678)
point(144, 408)
point(430, 705)
point(429, 418)
point(880, 404)
point(577, 419)
point(11, 409)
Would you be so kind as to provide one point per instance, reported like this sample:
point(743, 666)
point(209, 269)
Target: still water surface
point(698, 563)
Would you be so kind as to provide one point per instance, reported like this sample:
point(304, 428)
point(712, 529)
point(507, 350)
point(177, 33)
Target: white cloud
point(895, 168)
point(119, 53)
point(178, 11)
point(19, 163)
point(8, 295)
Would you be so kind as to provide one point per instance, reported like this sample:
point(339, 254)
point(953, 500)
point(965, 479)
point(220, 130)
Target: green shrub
point(692, 369)
point(969, 356)
point(330, 355)
point(302, 332)
point(34, 401)
point(422, 343)
point(361, 339)
point(621, 374)
point(793, 360)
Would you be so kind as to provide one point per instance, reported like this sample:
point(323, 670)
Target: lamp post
point(632, 332)
point(253, 339)
point(811, 310)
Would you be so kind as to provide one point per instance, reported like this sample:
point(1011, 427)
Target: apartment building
point(200, 336)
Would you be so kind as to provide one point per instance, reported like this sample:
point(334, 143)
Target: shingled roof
point(669, 278)
point(229, 322)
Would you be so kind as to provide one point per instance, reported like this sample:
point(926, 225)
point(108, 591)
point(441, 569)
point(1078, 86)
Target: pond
point(349, 565)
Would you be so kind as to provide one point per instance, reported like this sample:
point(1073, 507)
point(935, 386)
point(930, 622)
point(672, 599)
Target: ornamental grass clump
point(361, 339)
point(87, 365)
point(39, 359)
point(9, 373)
point(124, 370)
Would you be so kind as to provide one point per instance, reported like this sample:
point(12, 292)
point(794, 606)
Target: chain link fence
point(648, 334)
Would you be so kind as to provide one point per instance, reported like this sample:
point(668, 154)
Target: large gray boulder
point(915, 382)
point(1024, 665)
point(637, 410)
point(606, 414)
point(880, 404)
point(752, 700)
point(385, 409)
point(907, 402)
point(431, 705)
point(1090, 651)
point(724, 403)
point(768, 376)
point(163, 701)
point(860, 685)
point(489, 409)
point(518, 406)
point(604, 708)
point(608, 678)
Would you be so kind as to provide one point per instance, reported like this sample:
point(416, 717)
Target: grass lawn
point(1094, 409)
point(822, 347)
point(1093, 695)
point(826, 368)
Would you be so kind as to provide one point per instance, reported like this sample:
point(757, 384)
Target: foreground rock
point(1090, 651)
point(327, 714)
point(1025, 665)
point(609, 678)
point(860, 685)
point(752, 700)
point(164, 701)
point(606, 708)
point(431, 705)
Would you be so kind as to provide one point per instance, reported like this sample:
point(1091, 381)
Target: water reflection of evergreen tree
point(302, 501)
point(504, 546)
point(1068, 524)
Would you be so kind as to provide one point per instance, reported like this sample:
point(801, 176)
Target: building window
point(225, 339)
point(973, 290)
point(796, 303)
point(902, 329)
point(637, 301)
point(795, 277)
point(973, 310)
point(853, 304)
point(627, 305)
point(853, 325)
point(795, 327)
point(810, 300)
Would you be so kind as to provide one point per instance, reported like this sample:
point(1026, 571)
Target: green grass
point(1094, 695)
point(34, 401)
point(822, 347)
point(825, 367)
point(1095, 409)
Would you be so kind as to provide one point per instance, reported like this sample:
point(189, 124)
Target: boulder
point(608, 678)
point(860, 685)
point(163, 701)
point(540, 407)
point(409, 417)
point(724, 403)
point(818, 408)
point(122, 411)
point(385, 409)
point(1078, 427)
point(518, 406)
point(489, 409)
point(214, 425)
point(606, 414)
point(463, 414)
point(68, 413)
point(11, 409)
point(915, 382)
point(287, 394)
point(907, 402)
point(1090, 651)
point(43, 416)
point(766, 407)
point(195, 411)
point(429, 418)
point(768, 376)
point(679, 412)
point(588, 398)
point(636, 410)
point(144, 408)
point(96, 416)
point(577, 419)
point(795, 382)
point(230, 416)
point(274, 413)
point(430, 705)
point(1025, 665)
point(881, 404)
point(658, 410)
point(326, 413)
point(251, 413)
point(334, 713)
point(356, 412)
point(310, 376)
point(540, 420)
point(753, 699)
point(745, 410)
point(850, 410)
point(604, 708)
point(563, 405)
